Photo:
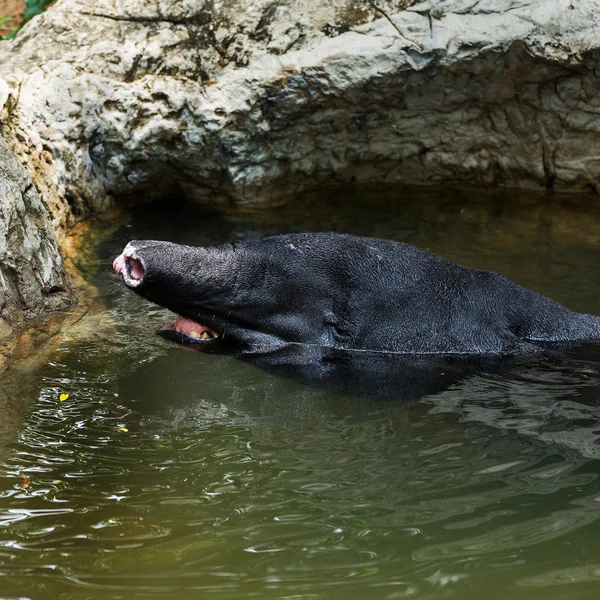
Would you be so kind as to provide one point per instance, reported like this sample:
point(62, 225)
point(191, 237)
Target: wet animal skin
point(345, 292)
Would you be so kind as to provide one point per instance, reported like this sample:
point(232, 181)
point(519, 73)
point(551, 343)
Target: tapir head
point(266, 292)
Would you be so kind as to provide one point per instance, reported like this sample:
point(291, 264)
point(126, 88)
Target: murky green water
point(171, 474)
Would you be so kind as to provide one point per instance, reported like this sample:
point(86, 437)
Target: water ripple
point(165, 474)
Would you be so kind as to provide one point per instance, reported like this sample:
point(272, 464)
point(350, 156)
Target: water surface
point(171, 474)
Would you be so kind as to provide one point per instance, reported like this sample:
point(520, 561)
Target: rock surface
point(253, 101)
point(32, 279)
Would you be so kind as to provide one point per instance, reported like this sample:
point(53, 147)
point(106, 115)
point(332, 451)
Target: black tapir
point(345, 292)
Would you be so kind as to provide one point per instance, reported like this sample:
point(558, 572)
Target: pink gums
point(186, 326)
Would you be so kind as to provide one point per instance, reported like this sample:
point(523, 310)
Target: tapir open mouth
point(187, 331)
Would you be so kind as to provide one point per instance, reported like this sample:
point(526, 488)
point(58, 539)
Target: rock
point(254, 101)
point(33, 283)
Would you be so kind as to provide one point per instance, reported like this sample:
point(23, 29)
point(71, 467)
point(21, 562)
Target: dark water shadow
point(554, 398)
point(377, 375)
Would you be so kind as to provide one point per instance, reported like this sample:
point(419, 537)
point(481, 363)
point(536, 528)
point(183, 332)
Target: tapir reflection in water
point(345, 293)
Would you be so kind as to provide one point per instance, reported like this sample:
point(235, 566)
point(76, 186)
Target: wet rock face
point(32, 280)
point(253, 101)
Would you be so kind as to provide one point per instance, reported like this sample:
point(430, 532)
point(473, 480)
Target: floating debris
point(25, 481)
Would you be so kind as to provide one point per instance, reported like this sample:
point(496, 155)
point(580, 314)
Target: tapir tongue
point(187, 326)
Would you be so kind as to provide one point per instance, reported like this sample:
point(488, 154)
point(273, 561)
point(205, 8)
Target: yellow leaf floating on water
point(63, 397)
point(124, 429)
point(25, 481)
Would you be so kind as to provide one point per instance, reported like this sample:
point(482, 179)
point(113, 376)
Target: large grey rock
point(105, 98)
point(252, 101)
point(33, 283)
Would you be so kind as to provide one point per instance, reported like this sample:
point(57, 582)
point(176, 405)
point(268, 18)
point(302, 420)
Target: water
point(171, 474)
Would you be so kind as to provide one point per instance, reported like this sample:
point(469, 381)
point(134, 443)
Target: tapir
point(343, 292)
